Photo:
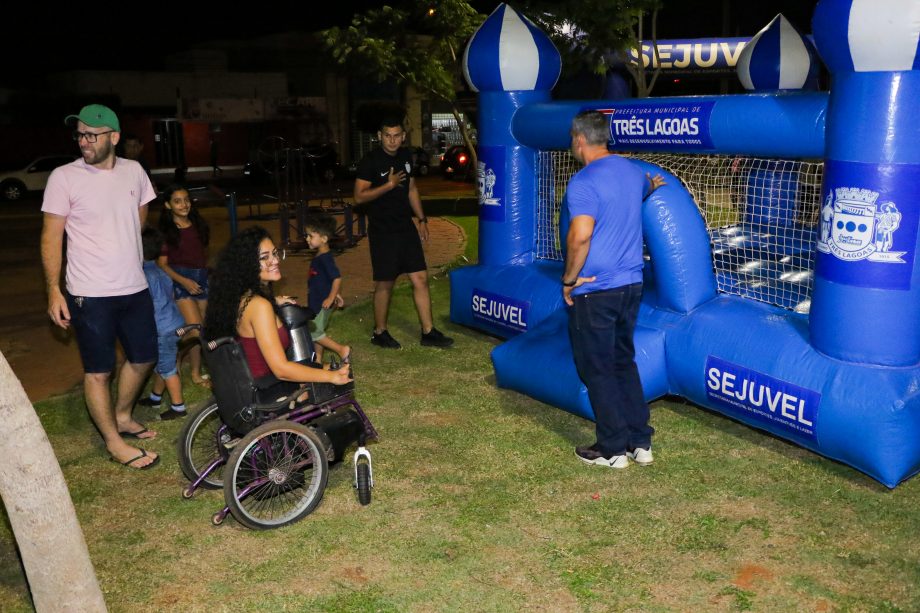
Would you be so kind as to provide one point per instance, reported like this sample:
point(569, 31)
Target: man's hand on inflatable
point(656, 182)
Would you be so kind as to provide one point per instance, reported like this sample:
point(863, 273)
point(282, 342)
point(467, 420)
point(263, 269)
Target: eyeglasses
point(90, 137)
point(275, 254)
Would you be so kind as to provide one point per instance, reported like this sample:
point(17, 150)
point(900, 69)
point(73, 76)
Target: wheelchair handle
point(217, 342)
point(183, 330)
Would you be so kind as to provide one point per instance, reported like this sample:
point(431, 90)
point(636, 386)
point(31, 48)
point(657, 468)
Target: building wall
point(147, 89)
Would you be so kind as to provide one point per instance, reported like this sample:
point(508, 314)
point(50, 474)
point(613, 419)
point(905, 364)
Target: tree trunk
point(638, 71)
point(467, 138)
point(54, 553)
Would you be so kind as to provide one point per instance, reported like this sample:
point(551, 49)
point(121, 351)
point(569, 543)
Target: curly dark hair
point(168, 227)
point(236, 275)
point(323, 224)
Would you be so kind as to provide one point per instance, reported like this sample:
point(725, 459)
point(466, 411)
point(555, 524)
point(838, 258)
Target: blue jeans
point(601, 327)
point(168, 345)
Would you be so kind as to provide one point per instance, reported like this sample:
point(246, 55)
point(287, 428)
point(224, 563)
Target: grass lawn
point(480, 505)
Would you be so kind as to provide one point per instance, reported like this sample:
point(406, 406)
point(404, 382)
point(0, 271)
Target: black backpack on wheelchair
point(243, 403)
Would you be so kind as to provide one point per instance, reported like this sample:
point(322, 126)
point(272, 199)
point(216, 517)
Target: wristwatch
point(569, 283)
point(423, 220)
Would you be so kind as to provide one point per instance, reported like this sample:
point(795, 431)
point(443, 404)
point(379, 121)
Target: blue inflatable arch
point(841, 380)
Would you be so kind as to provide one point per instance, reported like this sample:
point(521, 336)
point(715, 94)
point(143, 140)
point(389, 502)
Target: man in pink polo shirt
point(100, 202)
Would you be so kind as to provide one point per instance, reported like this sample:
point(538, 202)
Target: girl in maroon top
point(242, 305)
point(185, 259)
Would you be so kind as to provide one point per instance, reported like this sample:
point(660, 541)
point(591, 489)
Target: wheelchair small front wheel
point(276, 475)
point(363, 482)
point(200, 445)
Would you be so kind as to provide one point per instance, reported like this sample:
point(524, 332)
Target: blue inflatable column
point(866, 300)
point(506, 215)
point(511, 63)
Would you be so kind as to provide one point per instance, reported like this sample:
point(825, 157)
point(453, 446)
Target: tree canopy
point(588, 33)
point(420, 42)
point(416, 42)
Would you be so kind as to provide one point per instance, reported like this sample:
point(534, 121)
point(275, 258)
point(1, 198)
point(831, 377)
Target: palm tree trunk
point(54, 553)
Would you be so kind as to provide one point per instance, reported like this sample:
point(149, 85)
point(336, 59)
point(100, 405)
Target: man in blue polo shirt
point(602, 284)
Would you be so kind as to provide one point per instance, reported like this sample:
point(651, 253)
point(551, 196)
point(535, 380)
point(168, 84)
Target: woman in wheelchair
point(242, 305)
point(273, 425)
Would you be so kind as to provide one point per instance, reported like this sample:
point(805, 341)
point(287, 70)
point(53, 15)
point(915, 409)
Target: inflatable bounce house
point(782, 283)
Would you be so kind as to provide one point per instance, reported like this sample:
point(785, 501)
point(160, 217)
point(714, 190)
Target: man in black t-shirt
point(385, 184)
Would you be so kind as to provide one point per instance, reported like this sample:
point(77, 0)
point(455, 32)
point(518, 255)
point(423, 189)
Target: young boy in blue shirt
point(168, 319)
point(323, 286)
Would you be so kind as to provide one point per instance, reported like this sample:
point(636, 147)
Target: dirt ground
point(45, 358)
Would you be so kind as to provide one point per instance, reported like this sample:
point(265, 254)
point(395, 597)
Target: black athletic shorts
point(394, 254)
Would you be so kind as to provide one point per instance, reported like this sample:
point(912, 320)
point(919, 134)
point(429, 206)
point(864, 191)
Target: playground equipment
point(301, 176)
point(735, 316)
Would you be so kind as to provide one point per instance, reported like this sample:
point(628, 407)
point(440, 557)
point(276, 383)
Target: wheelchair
point(267, 443)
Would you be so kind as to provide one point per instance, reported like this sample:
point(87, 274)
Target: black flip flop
point(137, 435)
point(143, 454)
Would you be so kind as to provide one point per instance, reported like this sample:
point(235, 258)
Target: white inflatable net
point(761, 214)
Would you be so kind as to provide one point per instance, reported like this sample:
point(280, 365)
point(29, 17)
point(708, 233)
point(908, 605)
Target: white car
point(15, 183)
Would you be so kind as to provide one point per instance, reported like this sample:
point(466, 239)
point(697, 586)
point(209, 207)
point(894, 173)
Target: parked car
point(457, 163)
point(32, 177)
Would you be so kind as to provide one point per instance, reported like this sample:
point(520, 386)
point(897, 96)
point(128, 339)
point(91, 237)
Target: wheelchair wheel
point(276, 475)
point(363, 482)
point(199, 445)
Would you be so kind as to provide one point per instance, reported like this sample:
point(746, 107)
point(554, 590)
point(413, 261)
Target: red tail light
point(461, 159)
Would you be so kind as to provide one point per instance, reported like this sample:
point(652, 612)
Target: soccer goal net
point(761, 214)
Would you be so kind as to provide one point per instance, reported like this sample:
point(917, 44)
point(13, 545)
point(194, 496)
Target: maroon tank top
point(257, 364)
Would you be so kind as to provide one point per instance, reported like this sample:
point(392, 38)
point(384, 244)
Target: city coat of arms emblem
point(855, 226)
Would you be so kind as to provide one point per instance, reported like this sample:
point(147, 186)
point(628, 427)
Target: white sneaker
point(642, 457)
point(590, 455)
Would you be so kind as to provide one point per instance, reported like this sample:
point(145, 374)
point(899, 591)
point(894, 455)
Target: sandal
point(203, 381)
point(130, 463)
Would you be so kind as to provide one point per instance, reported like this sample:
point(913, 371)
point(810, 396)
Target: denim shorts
point(99, 321)
point(198, 275)
point(168, 344)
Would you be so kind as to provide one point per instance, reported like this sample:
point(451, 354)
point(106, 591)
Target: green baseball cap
point(96, 116)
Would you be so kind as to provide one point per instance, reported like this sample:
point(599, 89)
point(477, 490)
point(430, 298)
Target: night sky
point(42, 42)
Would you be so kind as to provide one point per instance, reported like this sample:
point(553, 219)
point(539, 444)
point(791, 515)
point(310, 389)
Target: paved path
point(45, 358)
